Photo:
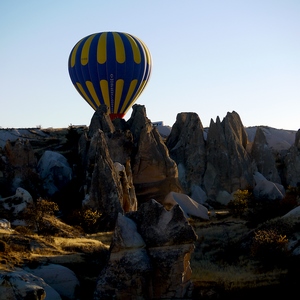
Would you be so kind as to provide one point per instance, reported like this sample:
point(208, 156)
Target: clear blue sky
point(209, 56)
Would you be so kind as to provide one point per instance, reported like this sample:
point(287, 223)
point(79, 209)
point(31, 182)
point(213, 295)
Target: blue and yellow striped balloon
point(110, 68)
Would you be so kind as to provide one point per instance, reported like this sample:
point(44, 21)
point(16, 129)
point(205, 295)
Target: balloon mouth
point(116, 116)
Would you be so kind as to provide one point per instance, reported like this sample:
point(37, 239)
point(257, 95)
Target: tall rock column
point(264, 158)
point(186, 145)
point(103, 183)
point(292, 163)
point(228, 164)
point(154, 173)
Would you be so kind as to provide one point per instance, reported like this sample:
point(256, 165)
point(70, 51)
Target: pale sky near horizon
point(209, 57)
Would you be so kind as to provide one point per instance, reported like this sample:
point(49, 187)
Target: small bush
point(86, 218)
point(239, 203)
point(24, 230)
point(36, 214)
point(269, 246)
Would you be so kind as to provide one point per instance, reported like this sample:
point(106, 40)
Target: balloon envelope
point(110, 68)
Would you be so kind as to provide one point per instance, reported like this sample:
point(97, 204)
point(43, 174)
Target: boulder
point(293, 213)
point(4, 224)
point(60, 278)
point(19, 284)
point(198, 194)
point(188, 205)
point(55, 171)
point(267, 190)
point(18, 202)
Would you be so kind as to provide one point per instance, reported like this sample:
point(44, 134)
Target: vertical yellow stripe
point(129, 94)
point(119, 46)
point(105, 92)
point(119, 90)
point(135, 49)
point(101, 48)
point(92, 91)
point(141, 88)
point(147, 52)
point(86, 97)
point(85, 50)
point(74, 51)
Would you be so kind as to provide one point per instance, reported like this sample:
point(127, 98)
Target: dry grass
point(213, 267)
point(68, 246)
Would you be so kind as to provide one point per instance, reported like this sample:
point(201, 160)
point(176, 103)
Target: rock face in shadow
point(154, 173)
point(144, 168)
point(150, 256)
point(117, 166)
point(187, 147)
point(19, 163)
point(264, 157)
point(228, 163)
point(104, 188)
point(292, 163)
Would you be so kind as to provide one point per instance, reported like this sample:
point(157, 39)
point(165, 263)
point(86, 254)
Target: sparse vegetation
point(240, 202)
point(269, 246)
point(36, 213)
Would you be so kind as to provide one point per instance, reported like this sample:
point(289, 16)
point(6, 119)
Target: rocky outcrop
point(61, 279)
point(150, 255)
point(100, 120)
point(20, 284)
point(292, 163)
point(188, 205)
point(267, 190)
point(228, 164)
point(18, 162)
point(186, 145)
point(154, 173)
point(55, 171)
point(104, 190)
point(128, 272)
point(264, 157)
point(17, 203)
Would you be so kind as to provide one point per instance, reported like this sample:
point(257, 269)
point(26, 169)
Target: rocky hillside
point(143, 184)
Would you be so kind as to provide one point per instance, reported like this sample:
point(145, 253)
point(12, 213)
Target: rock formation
point(228, 164)
point(18, 162)
point(150, 255)
point(23, 285)
point(154, 173)
point(186, 145)
point(292, 163)
point(264, 157)
point(55, 171)
point(104, 190)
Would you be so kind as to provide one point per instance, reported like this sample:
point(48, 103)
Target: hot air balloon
point(110, 68)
